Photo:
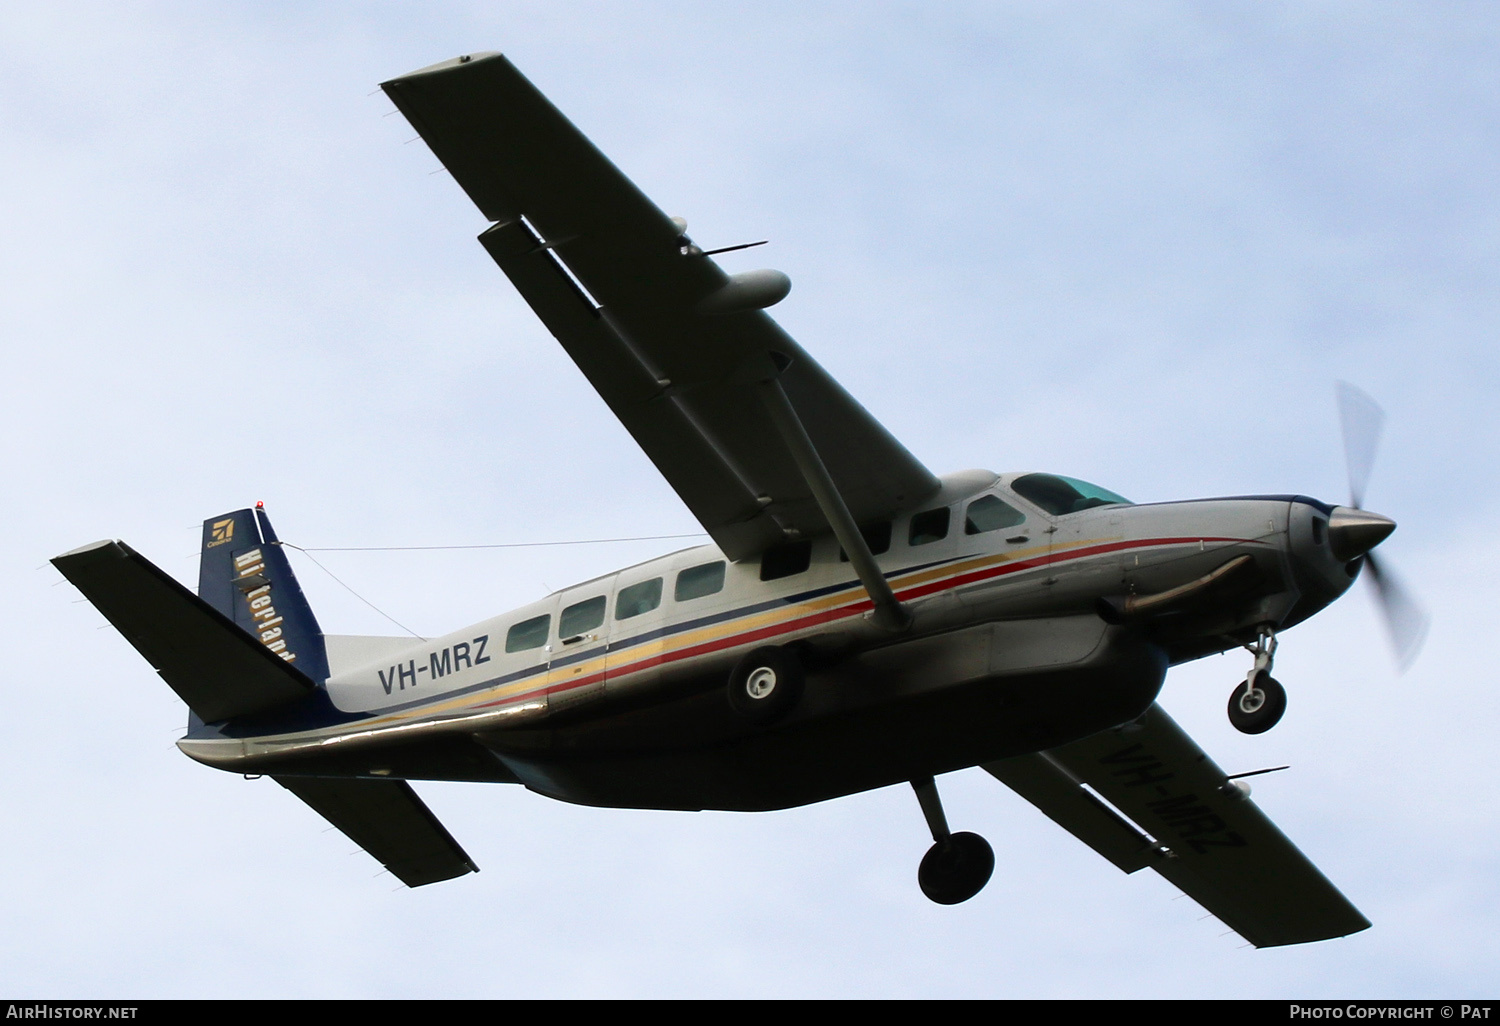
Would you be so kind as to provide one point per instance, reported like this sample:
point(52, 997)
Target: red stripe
point(854, 608)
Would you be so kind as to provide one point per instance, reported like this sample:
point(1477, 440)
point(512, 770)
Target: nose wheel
point(1258, 703)
point(957, 866)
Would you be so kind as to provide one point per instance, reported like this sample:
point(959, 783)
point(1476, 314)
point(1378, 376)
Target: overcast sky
point(1136, 244)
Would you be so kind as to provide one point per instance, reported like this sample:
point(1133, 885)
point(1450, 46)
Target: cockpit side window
point(987, 513)
point(928, 527)
point(1063, 495)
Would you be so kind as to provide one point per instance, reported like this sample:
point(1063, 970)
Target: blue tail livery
point(244, 574)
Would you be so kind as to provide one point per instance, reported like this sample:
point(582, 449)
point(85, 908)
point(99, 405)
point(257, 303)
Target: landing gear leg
point(1257, 704)
point(957, 866)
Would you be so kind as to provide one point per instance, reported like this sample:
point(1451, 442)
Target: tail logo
point(252, 583)
point(222, 532)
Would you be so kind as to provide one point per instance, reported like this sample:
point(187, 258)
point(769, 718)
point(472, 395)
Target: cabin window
point(928, 527)
point(638, 599)
point(698, 581)
point(876, 536)
point(580, 618)
point(528, 634)
point(988, 513)
point(786, 560)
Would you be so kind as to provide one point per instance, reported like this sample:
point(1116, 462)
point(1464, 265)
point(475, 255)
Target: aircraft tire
point(765, 684)
point(1252, 717)
point(956, 868)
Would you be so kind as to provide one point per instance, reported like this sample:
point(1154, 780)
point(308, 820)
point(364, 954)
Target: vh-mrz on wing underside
point(858, 621)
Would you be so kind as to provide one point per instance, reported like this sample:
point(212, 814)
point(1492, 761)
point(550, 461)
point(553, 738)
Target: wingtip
point(447, 65)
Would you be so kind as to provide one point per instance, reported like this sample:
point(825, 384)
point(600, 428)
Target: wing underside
point(1180, 820)
point(608, 274)
point(388, 820)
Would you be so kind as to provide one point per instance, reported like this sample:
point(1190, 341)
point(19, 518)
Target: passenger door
point(578, 646)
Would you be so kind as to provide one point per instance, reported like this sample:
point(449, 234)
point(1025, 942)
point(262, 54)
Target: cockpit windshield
point(1063, 495)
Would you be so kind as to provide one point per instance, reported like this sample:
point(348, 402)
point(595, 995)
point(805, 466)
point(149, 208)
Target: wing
point(672, 344)
point(1213, 843)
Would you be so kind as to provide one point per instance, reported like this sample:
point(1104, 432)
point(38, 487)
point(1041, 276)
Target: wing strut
point(889, 612)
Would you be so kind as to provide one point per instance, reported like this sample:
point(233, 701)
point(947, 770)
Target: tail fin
point(244, 574)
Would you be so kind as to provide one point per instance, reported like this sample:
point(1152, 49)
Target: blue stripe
point(318, 711)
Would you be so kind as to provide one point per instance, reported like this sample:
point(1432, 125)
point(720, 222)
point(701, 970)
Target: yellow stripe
point(714, 632)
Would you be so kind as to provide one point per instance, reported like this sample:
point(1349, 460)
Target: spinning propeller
point(1353, 532)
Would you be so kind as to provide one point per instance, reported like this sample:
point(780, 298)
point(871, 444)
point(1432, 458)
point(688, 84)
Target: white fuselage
point(684, 615)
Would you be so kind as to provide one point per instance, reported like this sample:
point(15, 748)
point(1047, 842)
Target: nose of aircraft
point(1353, 532)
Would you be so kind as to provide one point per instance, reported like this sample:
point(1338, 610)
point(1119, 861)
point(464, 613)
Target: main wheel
point(765, 684)
point(956, 868)
point(1255, 710)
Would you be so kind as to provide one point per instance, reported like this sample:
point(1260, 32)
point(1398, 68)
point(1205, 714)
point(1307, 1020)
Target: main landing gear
point(765, 684)
point(957, 866)
point(1257, 704)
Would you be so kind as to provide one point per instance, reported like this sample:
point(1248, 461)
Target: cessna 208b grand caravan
point(858, 621)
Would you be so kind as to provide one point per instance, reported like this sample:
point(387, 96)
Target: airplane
point(857, 622)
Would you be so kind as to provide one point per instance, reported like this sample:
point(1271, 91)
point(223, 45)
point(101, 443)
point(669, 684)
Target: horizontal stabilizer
point(1209, 839)
point(215, 667)
point(388, 820)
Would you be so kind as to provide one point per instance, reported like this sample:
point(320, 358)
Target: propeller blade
point(1405, 619)
point(1362, 420)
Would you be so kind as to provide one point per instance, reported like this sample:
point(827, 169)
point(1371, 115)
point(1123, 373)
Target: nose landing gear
point(957, 866)
point(1257, 704)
